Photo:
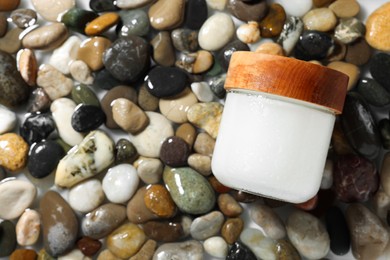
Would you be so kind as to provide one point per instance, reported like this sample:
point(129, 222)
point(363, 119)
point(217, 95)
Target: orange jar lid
point(287, 77)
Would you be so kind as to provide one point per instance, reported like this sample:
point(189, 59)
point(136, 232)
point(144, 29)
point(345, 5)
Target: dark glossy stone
point(338, 231)
point(359, 126)
point(128, 58)
point(196, 14)
point(37, 127)
point(355, 179)
point(103, 5)
point(247, 11)
point(38, 101)
point(272, 24)
point(86, 118)
point(156, 81)
point(89, 246)
point(239, 251)
point(185, 40)
point(313, 45)
point(82, 94)
point(174, 152)
point(104, 80)
point(358, 52)
point(24, 18)
point(217, 85)
point(163, 231)
point(44, 157)
point(373, 92)
point(134, 22)
point(76, 19)
point(125, 152)
point(226, 53)
point(380, 67)
point(326, 199)
point(384, 130)
point(7, 238)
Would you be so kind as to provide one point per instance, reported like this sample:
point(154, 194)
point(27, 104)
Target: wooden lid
point(287, 77)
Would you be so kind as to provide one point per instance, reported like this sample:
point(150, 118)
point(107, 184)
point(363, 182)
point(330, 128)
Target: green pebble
point(135, 22)
point(215, 70)
point(76, 19)
point(7, 238)
point(82, 94)
point(125, 152)
point(191, 192)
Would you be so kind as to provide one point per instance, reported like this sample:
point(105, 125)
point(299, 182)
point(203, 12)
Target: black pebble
point(86, 118)
point(103, 5)
point(104, 80)
point(37, 127)
point(226, 53)
point(313, 45)
point(166, 81)
point(373, 92)
point(240, 252)
point(196, 14)
point(380, 69)
point(7, 238)
point(338, 231)
point(384, 130)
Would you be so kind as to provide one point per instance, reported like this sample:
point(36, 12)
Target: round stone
point(166, 14)
point(200, 163)
point(125, 151)
point(358, 52)
point(202, 91)
point(28, 228)
point(377, 24)
point(39, 101)
point(86, 195)
point(313, 45)
point(174, 152)
point(82, 94)
point(345, 8)
point(129, 116)
point(147, 101)
point(240, 251)
point(231, 230)
point(228, 205)
point(248, 33)
point(149, 169)
point(159, 201)
point(270, 48)
point(226, 53)
point(7, 238)
point(320, 19)
point(216, 247)
point(13, 152)
point(89, 246)
point(8, 120)
point(157, 78)
point(91, 52)
point(86, 118)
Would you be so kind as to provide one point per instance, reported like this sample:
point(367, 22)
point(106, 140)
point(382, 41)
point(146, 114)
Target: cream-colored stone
point(28, 228)
point(270, 48)
point(351, 70)
point(320, 19)
point(55, 84)
point(248, 32)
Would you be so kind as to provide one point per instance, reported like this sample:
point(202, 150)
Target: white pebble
point(248, 32)
point(327, 176)
point(7, 119)
point(86, 196)
point(216, 247)
point(149, 170)
point(28, 228)
point(120, 183)
point(81, 72)
point(261, 246)
point(202, 91)
point(65, 54)
point(296, 7)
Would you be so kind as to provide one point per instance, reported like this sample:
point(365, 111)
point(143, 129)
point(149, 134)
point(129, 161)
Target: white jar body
point(272, 146)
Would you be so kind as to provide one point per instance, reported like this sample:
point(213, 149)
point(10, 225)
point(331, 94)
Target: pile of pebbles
point(109, 116)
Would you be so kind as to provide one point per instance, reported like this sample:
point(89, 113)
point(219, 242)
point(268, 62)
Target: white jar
point(277, 125)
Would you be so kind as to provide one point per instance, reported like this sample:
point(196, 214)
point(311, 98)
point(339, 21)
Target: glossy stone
point(175, 108)
point(163, 51)
point(320, 19)
point(51, 9)
point(268, 220)
point(217, 85)
point(196, 14)
point(377, 24)
point(159, 201)
point(190, 249)
point(262, 246)
point(248, 11)
point(206, 116)
point(129, 116)
point(25, 254)
point(8, 119)
point(89, 246)
point(44, 157)
point(47, 37)
point(373, 92)
point(226, 52)
point(76, 19)
point(272, 24)
point(202, 91)
point(82, 94)
point(338, 231)
point(101, 24)
point(216, 246)
point(137, 212)
point(11, 42)
point(39, 101)
point(228, 205)
point(313, 45)
point(7, 238)
point(195, 63)
point(349, 30)
point(157, 78)
point(187, 132)
point(86, 118)
point(248, 33)
point(102, 5)
point(91, 52)
point(231, 230)
point(379, 67)
point(185, 39)
point(24, 18)
point(149, 169)
point(164, 230)
point(207, 225)
point(174, 152)
point(125, 151)
point(200, 163)
point(166, 14)
point(13, 152)
point(37, 127)
point(286, 251)
point(358, 52)
point(239, 251)
point(133, 22)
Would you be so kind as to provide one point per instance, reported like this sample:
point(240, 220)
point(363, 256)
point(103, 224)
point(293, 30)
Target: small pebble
point(206, 116)
point(134, 22)
point(207, 225)
point(345, 8)
point(47, 37)
point(231, 230)
point(349, 30)
point(358, 52)
point(159, 201)
point(10, 42)
point(202, 91)
point(76, 19)
point(7, 119)
point(129, 116)
point(320, 19)
point(227, 51)
point(23, 18)
point(270, 48)
point(200, 163)
point(149, 170)
point(146, 100)
point(272, 24)
point(146, 251)
point(248, 33)
point(28, 66)
point(164, 230)
point(65, 54)
point(28, 228)
point(290, 34)
point(86, 195)
point(91, 52)
point(351, 70)
point(313, 45)
point(50, 10)
point(195, 63)
point(37, 127)
point(217, 186)
point(297, 8)
point(229, 206)
point(377, 25)
point(39, 101)
point(82, 94)
point(80, 72)
point(240, 251)
point(248, 11)
point(125, 152)
point(190, 249)
point(137, 212)
point(89, 246)
point(216, 247)
point(185, 40)
point(163, 51)
point(157, 78)
point(379, 67)
point(25, 254)
point(166, 14)
point(101, 24)
point(7, 238)
point(55, 84)
point(196, 14)
point(174, 152)
point(373, 92)
point(13, 152)
point(268, 221)
point(186, 132)
point(338, 231)
point(86, 118)
point(261, 246)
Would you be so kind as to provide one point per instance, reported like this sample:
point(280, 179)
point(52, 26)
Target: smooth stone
point(202, 91)
point(195, 63)
point(217, 186)
point(358, 52)
point(86, 196)
point(128, 58)
point(351, 70)
point(126, 240)
point(292, 30)
point(102, 5)
point(44, 157)
point(216, 247)
point(15, 197)
point(120, 183)
point(163, 51)
point(28, 228)
point(55, 83)
point(174, 152)
point(286, 251)
point(313, 45)
point(369, 236)
point(129, 116)
point(137, 212)
point(164, 230)
point(200, 163)
point(10, 42)
point(52, 9)
point(62, 110)
point(240, 251)
point(149, 170)
point(377, 24)
point(103, 220)
point(204, 144)
point(46, 37)
point(359, 126)
point(59, 224)
point(379, 68)
point(327, 175)
point(308, 235)
point(373, 92)
point(190, 190)
point(82, 94)
point(120, 91)
point(149, 141)
point(249, 32)
point(216, 32)
point(3, 24)
point(248, 11)
point(89, 246)
point(355, 179)
point(296, 8)
point(39, 101)
point(125, 152)
point(310, 204)
point(226, 53)
point(196, 14)
point(206, 116)
point(270, 48)
point(101, 24)
point(338, 231)
point(76, 19)
point(90, 157)
point(37, 127)
point(261, 246)
point(231, 230)
point(131, 4)
point(338, 53)
point(13, 90)
point(175, 108)
point(320, 19)
point(216, 84)
point(7, 119)
point(146, 251)
point(28, 66)
point(207, 225)
point(272, 24)
point(86, 118)
point(385, 173)
point(345, 8)
point(91, 52)
point(23, 18)
point(322, 3)
point(65, 54)
point(268, 221)
point(245, 197)
point(381, 205)
point(228, 205)
point(7, 238)
point(42, 254)
point(157, 78)
point(159, 201)
point(340, 142)
point(74, 254)
point(190, 249)
point(166, 14)
point(187, 132)
point(107, 255)
point(349, 30)
point(218, 5)
point(384, 130)
point(25, 254)
point(13, 152)
point(9, 5)
point(185, 40)
point(134, 22)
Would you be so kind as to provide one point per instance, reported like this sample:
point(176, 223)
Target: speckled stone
point(206, 116)
point(377, 24)
point(289, 36)
point(174, 152)
point(13, 152)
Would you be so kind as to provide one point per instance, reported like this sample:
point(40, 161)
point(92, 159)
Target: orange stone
point(13, 151)
point(23, 254)
point(378, 28)
point(272, 24)
point(9, 5)
point(101, 24)
point(158, 200)
point(91, 52)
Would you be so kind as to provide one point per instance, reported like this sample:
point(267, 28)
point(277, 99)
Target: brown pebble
point(200, 163)
point(174, 152)
point(146, 252)
point(231, 229)
point(164, 230)
point(166, 14)
point(3, 24)
point(322, 3)
point(270, 48)
point(9, 5)
point(187, 132)
point(351, 70)
point(217, 186)
point(23, 254)
point(10, 42)
point(158, 200)
point(101, 24)
point(339, 141)
point(129, 116)
point(89, 246)
point(91, 52)
point(244, 197)
point(13, 151)
point(137, 212)
point(358, 52)
point(147, 101)
point(47, 37)
point(228, 205)
point(28, 66)
point(272, 24)
point(204, 144)
point(345, 8)
point(163, 51)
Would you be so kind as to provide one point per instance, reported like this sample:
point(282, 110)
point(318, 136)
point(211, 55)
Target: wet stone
point(24, 18)
point(358, 52)
point(196, 14)
point(159, 201)
point(231, 230)
point(13, 146)
point(206, 116)
point(175, 108)
point(86, 118)
point(163, 230)
point(91, 52)
point(25, 254)
point(174, 152)
point(129, 116)
point(313, 45)
point(262, 246)
point(204, 144)
point(320, 19)
point(185, 40)
point(245, 197)
point(147, 101)
point(240, 251)
point(338, 231)
point(137, 212)
point(37, 127)
point(217, 85)
point(163, 51)
point(373, 92)
point(157, 78)
point(228, 205)
point(217, 186)
point(377, 25)
point(268, 220)
point(146, 251)
point(101, 24)
point(7, 238)
point(272, 24)
point(338, 53)
point(51, 9)
point(226, 53)
point(379, 68)
point(11, 42)
point(82, 94)
point(28, 228)
point(125, 151)
point(195, 63)
point(286, 251)
point(207, 225)
point(248, 10)
point(166, 14)
point(133, 22)
point(191, 249)
point(289, 36)
point(89, 246)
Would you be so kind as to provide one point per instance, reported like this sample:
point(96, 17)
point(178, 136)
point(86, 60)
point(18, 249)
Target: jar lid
point(287, 77)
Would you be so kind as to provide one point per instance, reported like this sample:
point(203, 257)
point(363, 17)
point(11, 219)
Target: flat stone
point(166, 14)
point(320, 19)
point(175, 108)
point(10, 42)
point(163, 51)
point(206, 116)
point(91, 51)
point(345, 8)
point(46, 37)
point(7, 238)
point(272, 24)
point(13, 152)
point(28, 228)
point(86, 196)
point(157, 78)
point(268, 221)
point(28, 66)
point(137, 212)
point(50, 10)
point(129, 116)
point(149, 170)
point(377, 23)
point(191, 249)
point(55, 84)
point(231, 230)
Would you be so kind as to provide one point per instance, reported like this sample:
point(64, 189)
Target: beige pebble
point(28, 66)
point(186, 132)
point(28, 228)
point(345, 8)
point(46, 37)
point(320, 19)
point(219, 5)
point(206, 116)
point(107, 255)
point(54, 83)
point(81, 72)
point(351, 70)
point(203, 62)
point(204, 144)
point(129, 116)
point(378, 28)
point(229, 206)
point(248, 32)
point(200, 163)
point(149, 170)
point(51, 9)
point(270, 48)
point(166, 14)
point(146, 251)
point(13, 151)
point(91, 52)
point(10, 42)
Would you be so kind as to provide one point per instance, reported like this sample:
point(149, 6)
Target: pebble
point(349, 30)
point(137, 212)
point(146, 251)
point(125, 152)
point(345, 8)
point(297, 8)
point(101, 24)
point(86, 195)
point(308, 235)
point(59, 224)
point(270, 48)
point(216, 32)
point(159, 201)
point(3, 24)
point(149, 170)
point(217, 186)
point(76, 19)
point(107, 255)
point(10, 42)
point(322, 3)
point(206, 226)
point(384, 130)
point(50, 10)
point(46, 37)
point(320, 19)
point(149, 141)
point(126, 240)
point(86, 118)
point(166, 14)
point(227, 51)
point(65, 54)
point(338, 231)
point(385, 174)
point(248, 10)
point(261, 246)
point(102, 6)
point(202, 91)
point(39, 101)
point(358, 52)
point(91, 51)
point(248, 32)
point(187, 132)
point(23, 18)
point(120, 183)
point(55, 84)
point(157, 78)
point(27, 66)
point(134, 22)
point(13, 152)
point(7, 238)
point(7, 119)
point(381, 205)
point(130, 4)
point(9, 5)
point(25, 254)
point(240, 251)
point(313, 45)
point(377, 24)
point(129, 116)
point(351, 70)
point(272, 24)
point(163, 51)
point(82, 94)
point(216, 247)
point(200, 163)
point(174, 152)
point(13, 90)
point(196, 14)
point(268, 221)
point(90, 157)
point(338, 53)
point(327, 175)
point(164, 230)
point(369, 236)
point(231, 230)
point(80, 72)
point(229, 206)
point(185, 40)
point(89, 246)
point(219, 5)
point(37, 127)
point(373, 92)
point(379, 67)
point(245, 197)
point(28, 228)
point(190, 249)
point(189, 190)
point(103, 220)
point(206, 116)
point(43, 158)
